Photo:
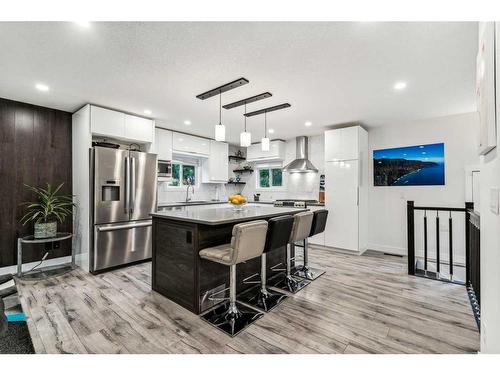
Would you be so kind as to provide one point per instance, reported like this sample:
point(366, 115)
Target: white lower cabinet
point(215, 169)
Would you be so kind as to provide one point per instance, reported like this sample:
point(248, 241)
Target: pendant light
point(245, 137)
point(220, 130)
point(265, 140)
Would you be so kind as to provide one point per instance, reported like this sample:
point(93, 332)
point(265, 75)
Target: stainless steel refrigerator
point(123, 196)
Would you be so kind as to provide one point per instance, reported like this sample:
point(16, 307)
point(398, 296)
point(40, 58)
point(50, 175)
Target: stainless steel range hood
point(301, 164)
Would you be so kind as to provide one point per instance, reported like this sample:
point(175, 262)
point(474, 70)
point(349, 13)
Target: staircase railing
point(436, 267)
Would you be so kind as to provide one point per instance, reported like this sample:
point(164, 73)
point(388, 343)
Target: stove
point(296, 203)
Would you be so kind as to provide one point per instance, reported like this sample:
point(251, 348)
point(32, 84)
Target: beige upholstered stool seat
point(220, 254)
point(301, 226)
point(247, 242)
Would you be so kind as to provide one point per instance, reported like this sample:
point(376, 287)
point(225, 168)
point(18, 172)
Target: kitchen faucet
point(189, 181)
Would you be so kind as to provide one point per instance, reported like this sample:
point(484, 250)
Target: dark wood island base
point(178, 272)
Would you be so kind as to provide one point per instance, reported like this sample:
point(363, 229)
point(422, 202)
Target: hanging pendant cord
point(220, 108)
point(265, 124)
point(245, 117)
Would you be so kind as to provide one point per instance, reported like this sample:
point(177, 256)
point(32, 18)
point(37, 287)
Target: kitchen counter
point(180, 232)
point(223, 214)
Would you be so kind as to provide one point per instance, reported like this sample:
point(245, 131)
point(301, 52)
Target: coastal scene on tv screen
point(409, 166)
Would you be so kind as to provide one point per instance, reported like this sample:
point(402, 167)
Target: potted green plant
point(48, 209)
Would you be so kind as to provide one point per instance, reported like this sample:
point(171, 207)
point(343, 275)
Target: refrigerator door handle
point(125, 226)
point(132, 183)
point(127, 185)
point(357, 196)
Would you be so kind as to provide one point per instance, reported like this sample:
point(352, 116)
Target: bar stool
point(317, 227)
point(247, 242)
point(301, 228)
point(279, 230)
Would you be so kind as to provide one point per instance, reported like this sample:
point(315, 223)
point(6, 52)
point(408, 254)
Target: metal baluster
point(438, 260)
point(425, 241)
point(450, 231)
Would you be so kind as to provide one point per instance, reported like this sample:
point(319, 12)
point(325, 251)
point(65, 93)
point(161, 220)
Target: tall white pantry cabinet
point(346, 188)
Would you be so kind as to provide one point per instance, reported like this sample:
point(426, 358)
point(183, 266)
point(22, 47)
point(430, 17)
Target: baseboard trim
point(27, 266)
point(388, 249)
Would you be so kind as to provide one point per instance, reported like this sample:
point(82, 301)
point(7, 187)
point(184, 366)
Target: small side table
point(60, 236)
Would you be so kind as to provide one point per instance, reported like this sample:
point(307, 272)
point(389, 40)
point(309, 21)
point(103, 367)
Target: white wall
point(490, 246)
point(387, 205)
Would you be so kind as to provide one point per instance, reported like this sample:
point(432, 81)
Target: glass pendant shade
point(265, 144)
point(245, 139)
point(220, 133)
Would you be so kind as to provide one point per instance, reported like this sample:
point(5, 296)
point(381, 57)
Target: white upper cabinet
point(215, 169)
point(190, 145)
point(139, 128)
point(114, 124)
point(163, 144)
point(342, 144)
point(276, 152)
point(106, 122)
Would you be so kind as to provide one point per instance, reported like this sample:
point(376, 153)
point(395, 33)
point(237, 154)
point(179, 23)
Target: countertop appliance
point(123, 193)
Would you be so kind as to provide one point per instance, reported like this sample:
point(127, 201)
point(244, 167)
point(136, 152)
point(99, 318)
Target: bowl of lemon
point(238, 201)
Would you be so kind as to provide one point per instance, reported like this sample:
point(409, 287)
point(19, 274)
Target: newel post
point(410, 225)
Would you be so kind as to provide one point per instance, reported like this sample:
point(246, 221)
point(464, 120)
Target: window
point(181, 172)
point(269, 178)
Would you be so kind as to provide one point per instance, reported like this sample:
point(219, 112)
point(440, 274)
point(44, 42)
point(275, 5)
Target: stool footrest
point(308, 273)
point(265, 301)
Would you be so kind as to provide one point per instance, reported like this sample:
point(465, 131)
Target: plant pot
point(45, 230)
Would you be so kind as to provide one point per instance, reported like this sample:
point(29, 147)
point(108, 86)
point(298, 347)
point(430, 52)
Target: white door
point(341, 198)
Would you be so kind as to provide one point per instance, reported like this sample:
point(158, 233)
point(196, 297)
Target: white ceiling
point(331, 73)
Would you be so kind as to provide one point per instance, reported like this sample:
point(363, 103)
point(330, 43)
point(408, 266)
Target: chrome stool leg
point(291, 283)
point(305, 270)
point(260, 296)
point(231, 316)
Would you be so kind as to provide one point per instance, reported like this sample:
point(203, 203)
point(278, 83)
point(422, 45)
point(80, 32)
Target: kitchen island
point(179, 233)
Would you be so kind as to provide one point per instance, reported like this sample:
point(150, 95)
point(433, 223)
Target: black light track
point(269, 109)
point(249, 100)
point(228, 86)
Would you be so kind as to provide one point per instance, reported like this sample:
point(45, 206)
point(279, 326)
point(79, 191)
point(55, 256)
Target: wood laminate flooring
point(362, 304)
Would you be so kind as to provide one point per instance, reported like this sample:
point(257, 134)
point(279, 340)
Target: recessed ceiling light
point(400, 85)
point(83, 24)
point(308, 123)
point(270, 131)
point(147, 112)
point(187, 122)
point(42, 87)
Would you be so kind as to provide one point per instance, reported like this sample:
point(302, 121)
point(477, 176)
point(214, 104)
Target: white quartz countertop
point(223, 213)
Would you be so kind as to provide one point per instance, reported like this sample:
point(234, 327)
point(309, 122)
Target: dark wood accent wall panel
point(35, 148)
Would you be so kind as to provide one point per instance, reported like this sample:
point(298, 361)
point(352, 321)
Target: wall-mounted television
point(409, 166)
